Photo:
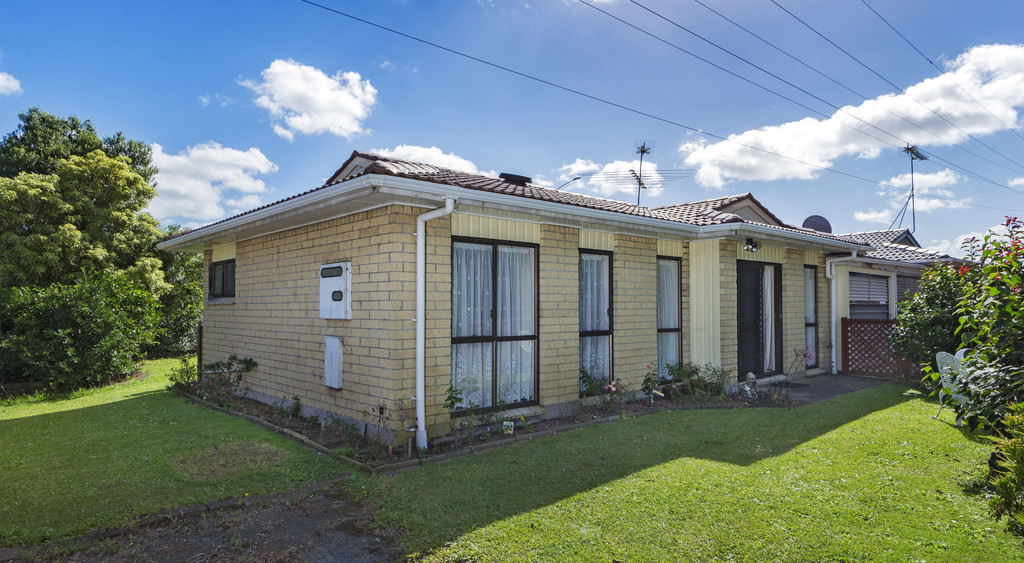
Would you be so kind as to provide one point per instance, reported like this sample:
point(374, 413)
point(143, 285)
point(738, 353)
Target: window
point(222, 279)
point(811, 315)
point(869, 296)
point(668, 315)
point(494, 336)
point(595, 315)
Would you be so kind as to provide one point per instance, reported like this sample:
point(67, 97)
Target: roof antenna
point(643, 148)
point(914, 155)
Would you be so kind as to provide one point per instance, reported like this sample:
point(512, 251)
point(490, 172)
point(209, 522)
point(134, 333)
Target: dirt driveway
point(306, 526)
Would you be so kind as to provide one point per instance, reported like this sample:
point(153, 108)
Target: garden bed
point(360, 446)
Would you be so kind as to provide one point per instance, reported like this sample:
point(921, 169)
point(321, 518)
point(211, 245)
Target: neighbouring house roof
point(741, 211)
point(894, 236)
point(905, 253)
point(898, 245)
point(728, 209)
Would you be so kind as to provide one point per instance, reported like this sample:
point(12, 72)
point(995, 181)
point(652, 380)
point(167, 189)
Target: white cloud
point(9, 85)
point(303, 99)
point(931, 192)
point(955, 246)
point(223, 101)
point(1016, 182)
point(993, 74)
point(611, 179)
point(387, 65)
point(432, 155)
point(206, 181)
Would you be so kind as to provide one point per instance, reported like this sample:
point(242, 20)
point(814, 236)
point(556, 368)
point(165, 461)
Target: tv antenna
point(643, 148)
point(915, 154)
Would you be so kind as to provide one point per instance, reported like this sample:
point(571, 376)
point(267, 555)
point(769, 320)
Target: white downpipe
point(421, 316)
point(830, 273)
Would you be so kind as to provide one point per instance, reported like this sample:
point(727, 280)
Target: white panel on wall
point(336, 291)
point(332, 362)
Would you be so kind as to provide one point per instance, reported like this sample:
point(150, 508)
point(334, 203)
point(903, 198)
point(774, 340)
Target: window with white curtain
point(668, 315)
point(811, 315)
point(494, 337)
point(595, 315)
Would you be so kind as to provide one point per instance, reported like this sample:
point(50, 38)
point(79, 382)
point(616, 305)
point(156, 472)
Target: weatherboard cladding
point(702, 213)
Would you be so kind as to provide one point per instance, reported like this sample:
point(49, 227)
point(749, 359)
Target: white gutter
point(421, 316)
point(830, 273)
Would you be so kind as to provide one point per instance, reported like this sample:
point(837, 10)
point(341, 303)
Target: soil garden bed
point(362, 448)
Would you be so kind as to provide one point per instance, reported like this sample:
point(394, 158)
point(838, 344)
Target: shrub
point(1007, 478)
point(706, 380)
point(992, 326)
point(927, 323)
point(73, 336)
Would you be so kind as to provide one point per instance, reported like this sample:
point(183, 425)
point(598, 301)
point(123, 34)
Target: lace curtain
point(594, 315)
point(511, 295)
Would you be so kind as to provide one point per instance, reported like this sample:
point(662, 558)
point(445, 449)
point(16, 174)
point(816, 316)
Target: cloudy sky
point(807, 104)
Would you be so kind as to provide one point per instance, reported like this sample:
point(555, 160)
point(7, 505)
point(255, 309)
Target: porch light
point(751, 246)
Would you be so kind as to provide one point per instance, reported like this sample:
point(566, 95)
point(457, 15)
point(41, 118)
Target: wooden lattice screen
point(866, 350)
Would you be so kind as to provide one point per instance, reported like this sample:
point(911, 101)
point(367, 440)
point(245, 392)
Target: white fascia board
point(771, 234)
point(340, 193)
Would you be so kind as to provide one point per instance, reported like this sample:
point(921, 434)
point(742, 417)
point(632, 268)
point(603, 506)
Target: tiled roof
point(706, 212)
point(904, 253)
point(879, 237)
point(430, 173)
point(701, 213)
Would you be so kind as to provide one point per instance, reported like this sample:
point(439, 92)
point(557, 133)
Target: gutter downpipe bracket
point(421, 306)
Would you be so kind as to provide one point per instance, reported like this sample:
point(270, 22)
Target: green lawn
point(866, 476)
point(102, 457)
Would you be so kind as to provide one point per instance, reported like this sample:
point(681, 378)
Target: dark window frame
point(611, 309)
point(679, 301)
point(493, 339)
point(815, 324)
point(219, 270)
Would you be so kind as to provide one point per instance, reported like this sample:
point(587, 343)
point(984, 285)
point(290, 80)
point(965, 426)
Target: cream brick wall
point(559, 337)
point(727, 306)
point(274, 317)
point(635, 308)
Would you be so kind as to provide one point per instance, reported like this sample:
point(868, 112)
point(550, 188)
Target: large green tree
point(42, 140)
point(85, 217)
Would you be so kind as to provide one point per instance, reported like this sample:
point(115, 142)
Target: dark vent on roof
point(817, 223)
point(515, 179)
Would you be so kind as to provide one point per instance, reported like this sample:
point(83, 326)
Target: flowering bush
point(991, 324)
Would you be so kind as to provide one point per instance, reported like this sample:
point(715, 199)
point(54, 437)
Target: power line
point(858, 94)
point(898, 89)
point(593, 97)
point(925, 57)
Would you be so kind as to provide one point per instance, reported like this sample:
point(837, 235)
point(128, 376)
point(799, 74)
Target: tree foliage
point(927, 324)
point(80, 274)
point(79, 335)
point(42, 140)
point(182, 303)
point(87, 216)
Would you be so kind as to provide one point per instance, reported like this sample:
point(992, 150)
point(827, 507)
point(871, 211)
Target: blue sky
point(246, 103)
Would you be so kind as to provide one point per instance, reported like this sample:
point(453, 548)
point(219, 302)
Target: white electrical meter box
point(336, 291)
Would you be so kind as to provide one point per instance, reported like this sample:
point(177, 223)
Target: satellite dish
point(817, 223)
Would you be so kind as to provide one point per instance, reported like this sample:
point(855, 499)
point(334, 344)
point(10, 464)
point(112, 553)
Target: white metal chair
point(949, 369)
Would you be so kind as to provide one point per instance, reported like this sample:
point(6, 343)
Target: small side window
point(222, 279)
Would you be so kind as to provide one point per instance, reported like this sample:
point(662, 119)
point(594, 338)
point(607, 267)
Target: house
point(870, 287)
point(396, 282)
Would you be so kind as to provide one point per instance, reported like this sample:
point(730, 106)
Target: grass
point(864, 477)
point(103, 457)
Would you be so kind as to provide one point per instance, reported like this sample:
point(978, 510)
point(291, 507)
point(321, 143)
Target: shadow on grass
point(441, 502)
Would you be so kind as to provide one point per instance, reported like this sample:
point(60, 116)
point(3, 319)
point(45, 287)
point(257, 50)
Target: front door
point(758, 318)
